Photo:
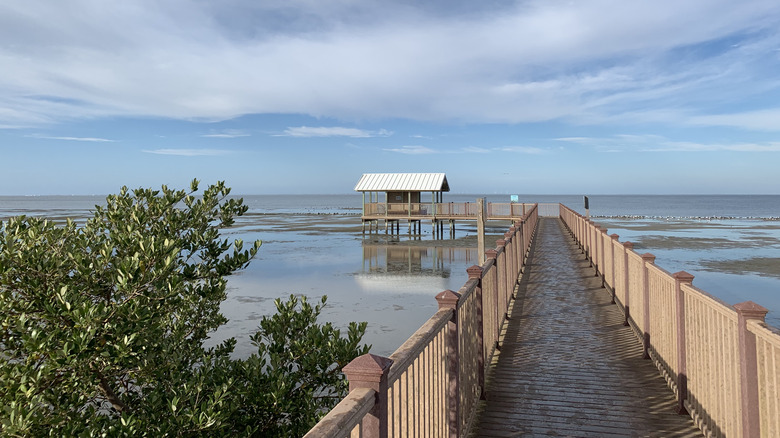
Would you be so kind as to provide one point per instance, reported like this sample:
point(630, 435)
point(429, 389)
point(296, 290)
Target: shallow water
point(313, 245)
point(377, 278)
point(734, 259)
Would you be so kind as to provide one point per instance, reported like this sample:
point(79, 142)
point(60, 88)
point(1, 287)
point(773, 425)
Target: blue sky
point(303, 96)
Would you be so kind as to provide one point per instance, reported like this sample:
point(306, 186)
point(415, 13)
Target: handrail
point(430, 386)
point(721, 361)
point(452, 210)
point(347, 415)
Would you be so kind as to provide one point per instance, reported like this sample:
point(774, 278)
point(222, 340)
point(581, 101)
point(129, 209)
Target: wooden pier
point(572, 352)
point(566, 331)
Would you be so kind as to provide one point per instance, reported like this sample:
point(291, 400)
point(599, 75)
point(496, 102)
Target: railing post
point(587, 233)
point(523, 237)
point(493, 254)
point(681, 278)
point(503, 274)
point(647, 259)
point(614, 237)
point(602, 253)
point(509, 236)
point(627, 246)
point(449, 300)
point(500, 281)
point(748, 367)
point(596, 248)
point(509, 248)
point(370, 371)
point(524, 246)
point(516, 249)
point(592, 245)
point(475, 273)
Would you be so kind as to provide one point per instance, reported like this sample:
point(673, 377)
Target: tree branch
point(118, 404)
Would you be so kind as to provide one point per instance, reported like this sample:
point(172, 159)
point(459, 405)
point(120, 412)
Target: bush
point(102, 327)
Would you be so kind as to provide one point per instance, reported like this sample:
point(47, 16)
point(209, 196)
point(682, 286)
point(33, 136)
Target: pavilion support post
point(748, 367)
point(681, 278)
point(409, 202)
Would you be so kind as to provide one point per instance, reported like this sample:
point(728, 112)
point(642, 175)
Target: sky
point(304, 96)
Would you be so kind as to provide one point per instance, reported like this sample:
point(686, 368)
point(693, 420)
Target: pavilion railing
point(465, 210)
point(721, 361)
point(430, 386)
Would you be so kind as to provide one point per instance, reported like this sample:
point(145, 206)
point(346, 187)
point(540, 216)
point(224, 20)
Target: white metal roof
point(406, 182)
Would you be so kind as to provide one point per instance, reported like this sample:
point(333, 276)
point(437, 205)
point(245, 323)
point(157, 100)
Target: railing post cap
point(474, 271)
point(629, 245)
point(491, 253)
point(649, 258)
point(367, 368)
point(614, 236)
point(447, 299)
point(751, 310)
point(683, 277)
point(508, 235)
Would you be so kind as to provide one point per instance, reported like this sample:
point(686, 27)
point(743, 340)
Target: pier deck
point(567, 365)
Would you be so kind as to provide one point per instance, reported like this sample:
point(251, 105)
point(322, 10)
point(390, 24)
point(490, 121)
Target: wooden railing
point(465, 210)
point(722, 361)
point(430, 386)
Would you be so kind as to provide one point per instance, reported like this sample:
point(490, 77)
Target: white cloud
point(522, 149)
point(412, 150)
point(228, 133)
point(188, 152)
point(763, 120)
point(713, 147)
point(657, 143)
point(333, 131)
point(87, 139)
point(475, 150)
point(588, 61)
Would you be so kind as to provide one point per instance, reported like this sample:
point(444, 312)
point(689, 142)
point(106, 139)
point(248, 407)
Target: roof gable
point(406, 182)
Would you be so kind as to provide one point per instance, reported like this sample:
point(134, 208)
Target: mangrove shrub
point(102, 326)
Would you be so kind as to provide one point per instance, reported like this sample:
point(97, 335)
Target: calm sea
point(313, 245)
point(650, 206)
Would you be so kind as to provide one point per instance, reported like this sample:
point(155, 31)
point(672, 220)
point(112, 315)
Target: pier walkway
point(567, 365)
point(566, 331)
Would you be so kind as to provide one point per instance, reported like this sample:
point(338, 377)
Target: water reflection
point(411, 268)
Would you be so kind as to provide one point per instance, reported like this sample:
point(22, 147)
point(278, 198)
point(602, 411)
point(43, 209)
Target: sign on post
point(587, 208)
